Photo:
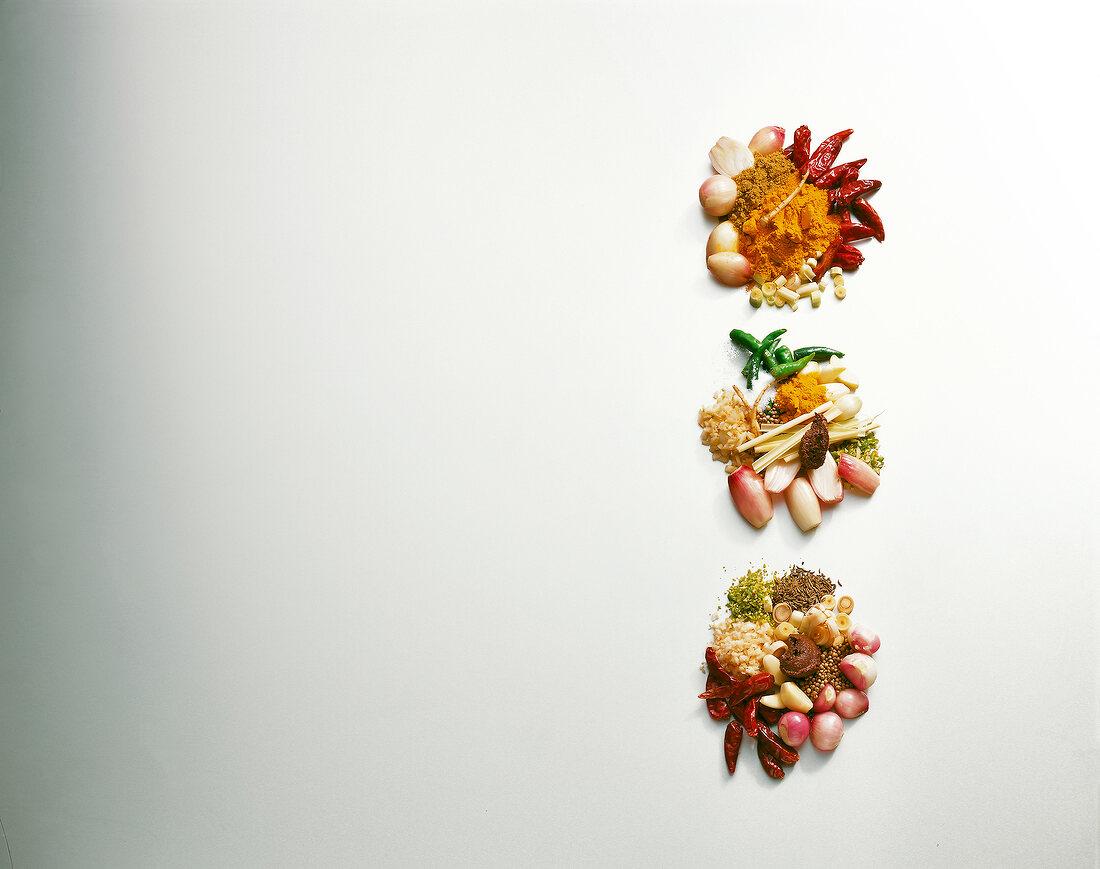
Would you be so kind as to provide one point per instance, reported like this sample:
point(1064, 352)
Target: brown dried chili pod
point(847, 257)
point(770, 764)
point(731, 744)
point(839, 175)
point(775, 748)
point(801, 658)
point(800, 155)
point(825, 154)
point(814, 443)
point(866, 212)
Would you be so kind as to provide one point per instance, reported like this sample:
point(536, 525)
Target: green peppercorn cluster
point(828, 672)
point(747, 593)
point(865, 448)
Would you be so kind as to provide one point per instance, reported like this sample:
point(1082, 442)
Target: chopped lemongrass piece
point(798, 420)
point(807, 289)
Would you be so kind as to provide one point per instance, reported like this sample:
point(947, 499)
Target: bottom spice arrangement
point(788, 655)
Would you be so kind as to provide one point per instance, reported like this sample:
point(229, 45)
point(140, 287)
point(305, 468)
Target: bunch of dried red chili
point(738, 701)
point(847, 196)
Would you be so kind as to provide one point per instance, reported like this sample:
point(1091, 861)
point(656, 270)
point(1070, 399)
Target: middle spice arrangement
point(802, 437)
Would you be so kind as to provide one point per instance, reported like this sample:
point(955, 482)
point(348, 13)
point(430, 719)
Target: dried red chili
point(854, 231)
point(800, 155)
point(731, 745)
point(717, 676)
point(771, 766)
point(848, 257)
point(776, 748)
point(749, 721)
point(825, 154)
point(866, 212)
point(739, 691)
point(838, 175)
point(767, 714)
point(854, 190)
point(826, 259)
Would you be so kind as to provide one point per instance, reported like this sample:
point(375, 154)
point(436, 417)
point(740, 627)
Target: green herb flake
point(747, 593)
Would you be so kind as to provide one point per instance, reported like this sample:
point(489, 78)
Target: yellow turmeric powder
point(798, 395)
point(801, 227)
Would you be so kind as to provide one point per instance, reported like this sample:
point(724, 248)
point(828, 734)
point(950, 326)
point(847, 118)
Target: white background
point(352, 510)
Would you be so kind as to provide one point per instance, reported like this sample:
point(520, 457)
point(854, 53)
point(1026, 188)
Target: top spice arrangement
point(790, 216)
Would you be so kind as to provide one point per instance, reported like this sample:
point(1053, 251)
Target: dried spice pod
point(802, 657)
point(814, 443)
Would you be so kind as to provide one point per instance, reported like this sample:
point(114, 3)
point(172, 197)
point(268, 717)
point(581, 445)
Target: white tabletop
point(353, 511)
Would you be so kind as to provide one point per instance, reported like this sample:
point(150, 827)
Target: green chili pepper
point(767, 347)
point(745, 340)
point(783, 354)
point(753, 368)
point(790, 367)
point(821, 354)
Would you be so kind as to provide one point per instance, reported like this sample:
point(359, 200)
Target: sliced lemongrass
point(784, 630)
point(781, 612)
point(845, 604)
point(843, 622)
point(785, 446)
point(827, 602)
point(798, 420)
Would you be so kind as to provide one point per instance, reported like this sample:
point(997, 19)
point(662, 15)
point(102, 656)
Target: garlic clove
point(826, 481)
point(794, 697)
point(723, 239)
point(858, 474)
point(833, 391)
point(773, 701)
point(771, 665)
point(848, 379)
point(729, 157)
point(780, 474)
point(730, 268)
point(802, 504)
point(830, 372)
point(717, 194)
point(849, 405)
point(752, 502)
point(767, 140)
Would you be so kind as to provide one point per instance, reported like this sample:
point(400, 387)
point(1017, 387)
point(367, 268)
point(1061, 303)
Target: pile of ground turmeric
point(798, 395)
point(802, 227)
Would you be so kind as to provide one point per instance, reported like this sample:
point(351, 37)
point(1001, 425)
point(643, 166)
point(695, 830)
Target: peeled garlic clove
point(848, 404)
point(780, 474)
point(794, 697)
point(767, 140)
point(849, 380)
point(729, 157)
point(831, 371)
point(858, 473)
point(773, 701)
point(752, 502)
point(826, 481)
point(860, 669)
point(833, 391)
point(716, 195)
point(729, 268)
point(771, 665)
point(723, 238)
point(802, 504)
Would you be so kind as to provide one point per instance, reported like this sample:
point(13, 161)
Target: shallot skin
point(826, 731)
